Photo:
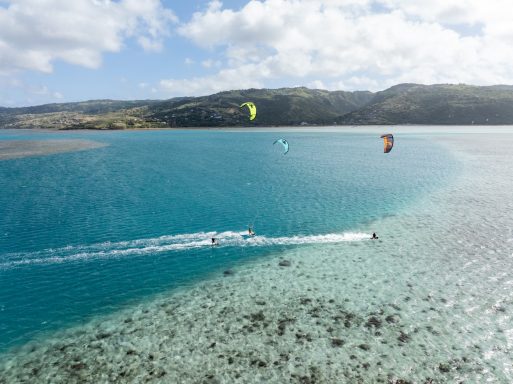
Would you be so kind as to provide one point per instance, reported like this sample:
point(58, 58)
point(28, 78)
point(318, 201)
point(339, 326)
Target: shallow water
point(90, 232)
point(430, 302)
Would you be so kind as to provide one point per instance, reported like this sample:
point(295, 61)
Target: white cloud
point(224, 79)
point(35, 33)
point(357, 44)
point(317, 84)
point(150, 45)
point(209, 63)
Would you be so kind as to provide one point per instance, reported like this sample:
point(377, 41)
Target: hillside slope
point(285, 106)
point(437, 104)
point(400, 104)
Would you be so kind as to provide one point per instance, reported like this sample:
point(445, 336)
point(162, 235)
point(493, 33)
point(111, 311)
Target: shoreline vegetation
point(394, 311)
point(15, 149)
point(403, 104)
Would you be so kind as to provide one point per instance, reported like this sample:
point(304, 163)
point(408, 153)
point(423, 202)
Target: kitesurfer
point(250, 231)
point(374, 237)
point(214, 241)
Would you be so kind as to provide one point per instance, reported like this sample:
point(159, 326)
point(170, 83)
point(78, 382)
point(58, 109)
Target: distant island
point(440, 104)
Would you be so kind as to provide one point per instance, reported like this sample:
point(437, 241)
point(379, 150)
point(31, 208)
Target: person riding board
point(374, 237)
point(250, 231)
point(214, 241)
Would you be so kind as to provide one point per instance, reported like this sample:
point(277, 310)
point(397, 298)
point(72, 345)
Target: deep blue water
point(87, 232)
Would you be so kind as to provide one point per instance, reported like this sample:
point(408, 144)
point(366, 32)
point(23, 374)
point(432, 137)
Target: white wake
point(167, 244)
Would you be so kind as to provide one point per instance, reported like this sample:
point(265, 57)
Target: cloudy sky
point(62, 50)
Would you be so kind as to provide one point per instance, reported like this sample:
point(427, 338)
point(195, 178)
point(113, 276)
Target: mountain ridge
point(408, 103)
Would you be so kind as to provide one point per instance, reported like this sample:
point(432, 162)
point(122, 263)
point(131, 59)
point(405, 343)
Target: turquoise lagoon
point(107, 273)
point(90, 232)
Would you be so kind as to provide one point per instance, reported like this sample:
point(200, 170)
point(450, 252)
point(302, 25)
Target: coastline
point(396, 309)
point(399, 129)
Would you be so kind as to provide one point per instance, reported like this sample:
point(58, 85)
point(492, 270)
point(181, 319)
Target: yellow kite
point(252, 109)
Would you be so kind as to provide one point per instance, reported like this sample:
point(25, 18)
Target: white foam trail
point(167, 244)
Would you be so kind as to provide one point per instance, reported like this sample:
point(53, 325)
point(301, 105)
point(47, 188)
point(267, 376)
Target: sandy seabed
point(13, 149)
point(430, 302)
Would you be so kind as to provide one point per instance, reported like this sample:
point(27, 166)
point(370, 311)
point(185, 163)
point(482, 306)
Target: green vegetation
point(437, 104)
point(401, 104)
point(285, 106)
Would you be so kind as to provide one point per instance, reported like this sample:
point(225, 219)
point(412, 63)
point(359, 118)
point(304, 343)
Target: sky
point(61, 50)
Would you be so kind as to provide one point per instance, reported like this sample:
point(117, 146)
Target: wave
point(167, 243)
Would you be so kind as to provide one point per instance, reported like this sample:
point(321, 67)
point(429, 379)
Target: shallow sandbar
point(13, 149)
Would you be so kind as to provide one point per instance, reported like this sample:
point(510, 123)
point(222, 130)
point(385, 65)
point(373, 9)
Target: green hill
point(285, 106)
point(94, 114)
point(437, 104)
point(400, 104)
